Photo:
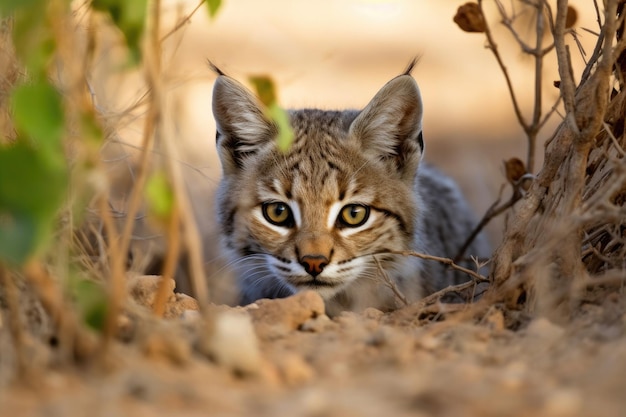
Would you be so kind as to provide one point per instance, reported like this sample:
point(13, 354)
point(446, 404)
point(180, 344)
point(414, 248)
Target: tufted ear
point(242, 128)
point(390, 126)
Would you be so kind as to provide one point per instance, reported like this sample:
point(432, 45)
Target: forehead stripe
point(399, 219)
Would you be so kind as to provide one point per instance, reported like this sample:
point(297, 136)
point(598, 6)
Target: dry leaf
point(514, 169)
point(470, 18)
point(571, 17)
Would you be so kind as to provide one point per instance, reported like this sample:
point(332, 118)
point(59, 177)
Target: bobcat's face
point(316, 216)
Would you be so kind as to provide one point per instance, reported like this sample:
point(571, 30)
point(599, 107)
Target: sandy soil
point(286, 357)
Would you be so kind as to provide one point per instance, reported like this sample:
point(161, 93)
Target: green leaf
point(8, 7)
point(265, 90)
point(214, 6)
point(18, 236)
point(33, 39)
point(160, 195)
point(92, 302)
point(129, 17)
point(32, 189)
point(38, 113)
point(285, 132)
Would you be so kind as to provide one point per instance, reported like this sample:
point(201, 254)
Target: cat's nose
point(314, 264)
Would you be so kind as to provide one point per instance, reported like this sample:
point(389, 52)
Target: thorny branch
point(493, 211)
point(389, 282)
point(567, 84)
point(436, 296)
point(475, 276)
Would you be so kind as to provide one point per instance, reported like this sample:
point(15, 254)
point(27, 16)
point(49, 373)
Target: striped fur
point(363, 160)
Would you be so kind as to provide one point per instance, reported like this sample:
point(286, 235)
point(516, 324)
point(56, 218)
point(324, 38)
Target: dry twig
point(538, 119)
point(81, 344)
point(475, 276)
point(171, 258)
point(388, 281)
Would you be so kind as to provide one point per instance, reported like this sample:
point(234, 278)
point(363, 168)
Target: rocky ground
point(286, 357)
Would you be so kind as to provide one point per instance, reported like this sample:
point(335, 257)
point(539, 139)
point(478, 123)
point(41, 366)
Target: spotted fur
point(341, 165)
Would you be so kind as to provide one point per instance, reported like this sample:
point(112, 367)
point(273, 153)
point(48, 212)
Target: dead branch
point(567, 85)
point(437, 296)
point(558, 192)
point(171, 259)
point(475, 276)
point(433, 306)
point(492, 212)
point(184, 21)
point(494, 49)
point(389, 283)
point(612, 277)
point(117, 259)
point(538, 119)
point(118, 245)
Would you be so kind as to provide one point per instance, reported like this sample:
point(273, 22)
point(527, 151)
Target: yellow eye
point(278, 214)
point(353, 215)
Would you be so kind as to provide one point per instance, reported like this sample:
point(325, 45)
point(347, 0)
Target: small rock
point(348, 319)
point(317, 324)
point(276, 318)
point(294, 370)
point(232, 342)
point(372, 313)
point(381, 336)
point(429, 341)
point(163, 344)
point(143, 290)
point(176, 306)
point(563, 402)
point(514, 375)
point(613, 297)
point(494, 319)
point(191, 315)
point(543, 328)
point(125, 328)
point(315, 402)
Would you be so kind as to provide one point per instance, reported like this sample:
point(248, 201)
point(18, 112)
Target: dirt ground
point(286, 357)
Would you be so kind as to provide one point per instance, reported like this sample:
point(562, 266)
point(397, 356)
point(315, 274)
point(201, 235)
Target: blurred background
point(336, 54)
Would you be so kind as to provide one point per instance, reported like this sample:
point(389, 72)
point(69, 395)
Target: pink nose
point(314, 264)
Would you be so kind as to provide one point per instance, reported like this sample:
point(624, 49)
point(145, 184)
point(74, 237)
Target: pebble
point(563, 402)
point(162, 344)
point(294, 369)
point(143, 290)
point(543, 328)
point(317, 324)
point(232, 342)
point(276, 318)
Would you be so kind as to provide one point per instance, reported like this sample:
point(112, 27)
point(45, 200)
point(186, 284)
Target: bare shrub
point(567, 230)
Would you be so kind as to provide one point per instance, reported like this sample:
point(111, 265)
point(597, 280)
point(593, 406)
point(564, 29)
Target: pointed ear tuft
point(390, 126)
point(242, 128)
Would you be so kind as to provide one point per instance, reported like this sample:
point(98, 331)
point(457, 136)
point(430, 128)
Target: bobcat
point(325, 214)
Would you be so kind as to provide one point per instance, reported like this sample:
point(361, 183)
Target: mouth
point(315, 283)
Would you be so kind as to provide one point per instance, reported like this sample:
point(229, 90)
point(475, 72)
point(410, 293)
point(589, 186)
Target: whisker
point(237, 261)
point(358, 169)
